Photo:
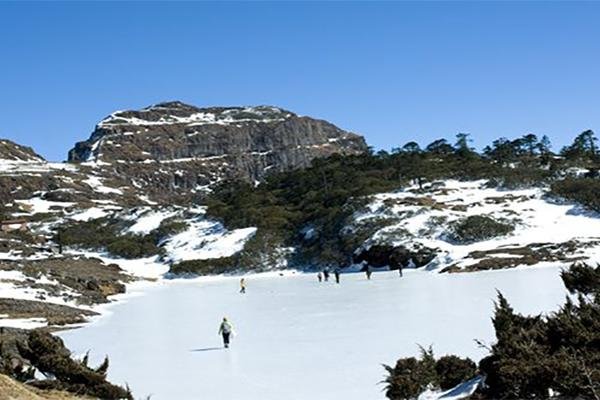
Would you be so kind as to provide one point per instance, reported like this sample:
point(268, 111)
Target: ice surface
point(298, 339)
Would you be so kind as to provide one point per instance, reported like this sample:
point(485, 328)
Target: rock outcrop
point(11, 152)
point(175, 147)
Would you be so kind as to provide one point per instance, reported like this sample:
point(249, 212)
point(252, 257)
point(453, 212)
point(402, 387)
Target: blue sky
point(393, 72)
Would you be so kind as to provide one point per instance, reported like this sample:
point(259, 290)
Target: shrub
point(561, 352)
point(452, 370)
point(410, 376)
point(104, 233)
point(169, 227)
point(581, 190)
point(580, 278)
point(48, 354)
point(476, 228)
point(204, 267)
point(132, 246)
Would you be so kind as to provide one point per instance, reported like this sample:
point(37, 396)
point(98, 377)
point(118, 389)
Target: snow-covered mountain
point(174, 147)
point(126, 207)
point(128, 175)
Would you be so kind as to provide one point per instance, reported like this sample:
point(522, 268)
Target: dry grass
point(12, 390)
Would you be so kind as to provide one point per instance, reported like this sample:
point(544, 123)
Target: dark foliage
point(204, 267)
point(561, 352)
point(476, 228)
point(580, 278)
point(410, 376)
point(452, 370)
point(324, 196)
point(48, 354)
point(533, 357)
point(582, 190)
point(105, 234)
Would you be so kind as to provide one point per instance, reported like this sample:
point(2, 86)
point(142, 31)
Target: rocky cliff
point(178, 147)
point(14, 153)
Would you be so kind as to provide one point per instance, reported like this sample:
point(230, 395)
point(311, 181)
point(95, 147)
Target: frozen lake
point(298, 339)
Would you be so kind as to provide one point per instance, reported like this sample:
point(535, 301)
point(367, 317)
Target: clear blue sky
point(393, 72)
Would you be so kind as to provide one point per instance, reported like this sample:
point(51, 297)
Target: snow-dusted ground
point(296, 338)
point(408, 217)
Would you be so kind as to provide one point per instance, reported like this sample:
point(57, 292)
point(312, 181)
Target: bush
point(452, 370)
point(581, 190)
point(48, 354)
point(104, 233)
point(533, 355)
point(169, 227)
point(476, 228)
point(204, 267)
point(561, 352)
point(580, 278)
point(410, 376)
point(133, 246)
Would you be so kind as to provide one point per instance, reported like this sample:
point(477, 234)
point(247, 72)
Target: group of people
point(226, 329)
point(324, 275)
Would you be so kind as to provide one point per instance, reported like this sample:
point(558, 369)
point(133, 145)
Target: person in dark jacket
point(368, 272)
point(336, 272)
point(226, 330)
point(326, 274)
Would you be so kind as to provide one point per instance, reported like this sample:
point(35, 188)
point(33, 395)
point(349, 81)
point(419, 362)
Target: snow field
point(298, 339)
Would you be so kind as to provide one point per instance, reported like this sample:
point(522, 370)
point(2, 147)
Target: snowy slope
point(298, 339)
point(412, 217)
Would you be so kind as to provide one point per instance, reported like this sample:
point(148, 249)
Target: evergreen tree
point(439, 147)
point(411, 147)
point(583, 148)
point(530, 142)
point(462, 145)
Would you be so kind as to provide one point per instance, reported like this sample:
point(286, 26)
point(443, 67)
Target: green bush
point(104, 234)
point(48, 354)
point(452, 370)
point(169, 227)
point(133, 246)
point(204, 267)
point(582, 190)
point(533, 355)
point(410, 376)
point(476, 228)
point(560, 352)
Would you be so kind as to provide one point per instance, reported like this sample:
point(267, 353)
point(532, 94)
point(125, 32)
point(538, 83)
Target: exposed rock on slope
point(17, 153)
point(174, 146)
point(25, 175)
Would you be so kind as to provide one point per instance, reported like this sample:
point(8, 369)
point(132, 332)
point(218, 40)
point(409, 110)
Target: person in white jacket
point(226, 330)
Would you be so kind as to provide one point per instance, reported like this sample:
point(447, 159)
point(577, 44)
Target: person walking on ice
point(242, 285)
point(226, 330)
point(320, 277)
point(368, 272)
point(336, 272)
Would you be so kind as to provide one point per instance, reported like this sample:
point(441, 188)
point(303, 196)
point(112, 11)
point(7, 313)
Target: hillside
point(445, 208)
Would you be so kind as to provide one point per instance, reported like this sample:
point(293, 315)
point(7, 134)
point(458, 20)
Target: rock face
point(11, 152)
point(396, 256)
point(178, 147)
